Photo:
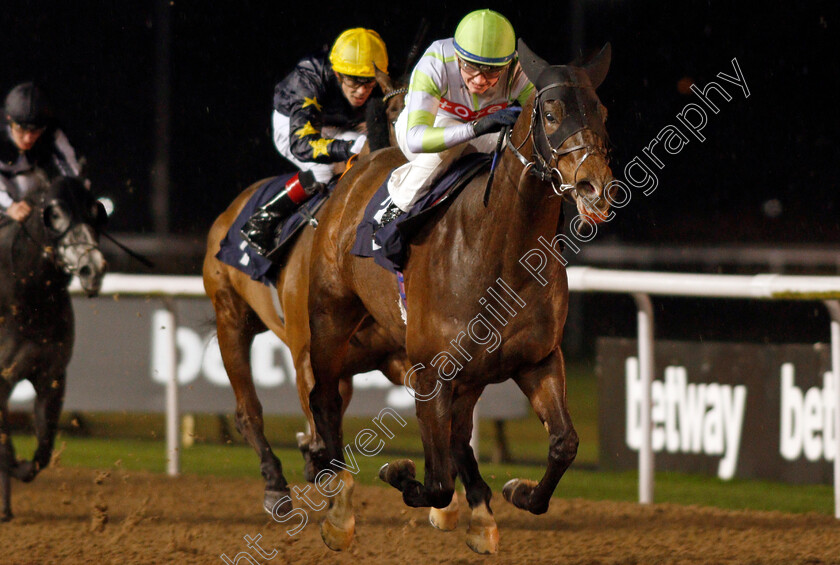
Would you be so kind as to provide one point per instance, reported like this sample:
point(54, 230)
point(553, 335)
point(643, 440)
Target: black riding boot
point(260, 229)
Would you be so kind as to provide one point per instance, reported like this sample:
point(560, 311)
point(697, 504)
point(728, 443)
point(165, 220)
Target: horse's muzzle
point(91, 270)
point(592, 204)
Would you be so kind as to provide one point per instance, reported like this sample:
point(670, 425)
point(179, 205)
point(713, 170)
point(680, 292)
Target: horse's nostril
point(585, 189)
point(85, 271)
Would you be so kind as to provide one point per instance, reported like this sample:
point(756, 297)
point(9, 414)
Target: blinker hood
point(574, 87)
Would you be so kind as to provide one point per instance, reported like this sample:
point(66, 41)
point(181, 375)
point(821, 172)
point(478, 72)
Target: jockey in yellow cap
point(318, 118)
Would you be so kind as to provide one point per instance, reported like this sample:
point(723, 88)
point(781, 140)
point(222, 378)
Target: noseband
point(545, 167)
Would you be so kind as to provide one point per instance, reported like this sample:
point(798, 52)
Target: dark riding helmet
point(27, 105)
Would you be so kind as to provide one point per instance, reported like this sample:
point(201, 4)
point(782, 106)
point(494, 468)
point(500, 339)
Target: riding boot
point(260, 229)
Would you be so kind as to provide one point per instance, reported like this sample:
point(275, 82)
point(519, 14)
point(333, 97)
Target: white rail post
point(644, 320)
point(173, 434)
point(834, 310)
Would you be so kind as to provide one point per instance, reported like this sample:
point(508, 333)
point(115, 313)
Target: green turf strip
point(579, 482)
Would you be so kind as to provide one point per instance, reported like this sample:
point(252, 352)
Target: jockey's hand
point(19, 211)
point(496, 121)
point(358, 144)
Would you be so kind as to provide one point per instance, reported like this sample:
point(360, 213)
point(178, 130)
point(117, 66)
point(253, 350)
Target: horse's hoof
point(445, 519)
point(395, 472)
point(482, 533)
point(276, 498)
point(518, 492)
point(336, 537)
point(25, 471)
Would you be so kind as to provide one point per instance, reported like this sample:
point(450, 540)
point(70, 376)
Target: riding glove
point(495, 122)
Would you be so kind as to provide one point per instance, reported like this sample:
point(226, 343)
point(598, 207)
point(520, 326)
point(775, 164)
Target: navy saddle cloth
point(234, 251)
point(392, 241)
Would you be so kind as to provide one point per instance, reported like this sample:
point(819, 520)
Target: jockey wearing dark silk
point(33, 149)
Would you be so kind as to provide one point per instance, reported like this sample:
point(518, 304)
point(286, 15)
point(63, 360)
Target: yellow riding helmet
point(485, 37)
point(357, 50)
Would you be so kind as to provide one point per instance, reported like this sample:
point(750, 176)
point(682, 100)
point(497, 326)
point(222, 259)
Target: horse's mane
point(377, 124)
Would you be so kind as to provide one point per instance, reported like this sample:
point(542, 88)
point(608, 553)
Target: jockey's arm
point(421, 104)
point(64, 156)
point(19, 211)
point(307, 143)
point(425, 91)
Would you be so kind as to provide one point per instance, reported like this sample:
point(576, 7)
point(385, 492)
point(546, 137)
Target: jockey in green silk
point(460, 94)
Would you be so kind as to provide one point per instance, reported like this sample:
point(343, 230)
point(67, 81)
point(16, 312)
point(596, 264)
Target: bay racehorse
point(38, 258)
point(245, 308)
point(557, 148)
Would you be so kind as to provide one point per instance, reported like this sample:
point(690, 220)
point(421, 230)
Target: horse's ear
point(531, 64)
point(382, 79)
point(598, 67)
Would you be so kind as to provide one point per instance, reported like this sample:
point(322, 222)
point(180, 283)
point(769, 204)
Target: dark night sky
point(97, 61)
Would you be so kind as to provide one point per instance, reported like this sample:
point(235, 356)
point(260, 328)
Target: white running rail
point(640, 285)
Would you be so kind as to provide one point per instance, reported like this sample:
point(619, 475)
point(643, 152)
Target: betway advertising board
point(117, 349)
point(724, 409)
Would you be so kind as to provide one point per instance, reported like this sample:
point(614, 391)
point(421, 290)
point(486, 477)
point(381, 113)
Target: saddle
point(234, 251)
point(392, 241)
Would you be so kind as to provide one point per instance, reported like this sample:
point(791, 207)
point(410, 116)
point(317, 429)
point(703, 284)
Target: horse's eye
point(56, 219)
point(550, 118)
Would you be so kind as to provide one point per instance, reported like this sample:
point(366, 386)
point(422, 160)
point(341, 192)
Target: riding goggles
point(356, 82)
point(489, 72)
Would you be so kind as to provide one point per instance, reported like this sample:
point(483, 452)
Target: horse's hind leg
point(545, 387)
point(48, 403)
point(236, 326)
point(7, 455)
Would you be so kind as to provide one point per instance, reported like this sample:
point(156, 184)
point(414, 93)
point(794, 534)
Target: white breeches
point(410, 182)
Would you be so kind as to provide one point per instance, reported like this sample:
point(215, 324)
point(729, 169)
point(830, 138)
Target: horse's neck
point(521, 210)
point(22, 254)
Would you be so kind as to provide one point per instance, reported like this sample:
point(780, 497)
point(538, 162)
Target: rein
point(54, 249)
point(396, 92)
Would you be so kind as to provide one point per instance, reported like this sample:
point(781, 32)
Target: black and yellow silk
point(312, 99)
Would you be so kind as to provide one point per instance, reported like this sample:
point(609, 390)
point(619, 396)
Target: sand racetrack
point(74, 516)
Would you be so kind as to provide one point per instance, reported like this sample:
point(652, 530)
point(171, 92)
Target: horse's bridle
point(55, 249)
point(546, 167)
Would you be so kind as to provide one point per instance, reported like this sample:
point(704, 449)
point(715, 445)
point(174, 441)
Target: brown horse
point(245, 308)
point(558, 147)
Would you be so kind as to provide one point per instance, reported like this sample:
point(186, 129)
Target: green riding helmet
point(485, 37)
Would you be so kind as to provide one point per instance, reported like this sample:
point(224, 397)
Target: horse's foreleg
point(309, 440)
point(545, 387)
point(236, 326)
point(482, 533)
point(48, 403)
point(7, 455)
point(434, 417)
point(332, 323)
